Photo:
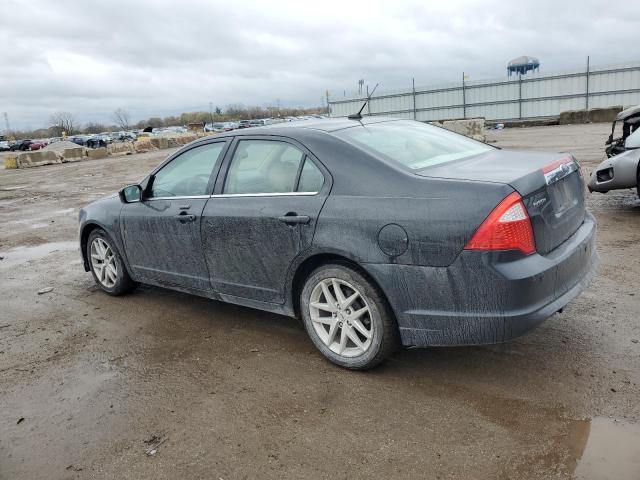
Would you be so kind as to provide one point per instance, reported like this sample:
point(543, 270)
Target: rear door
point(263, 215)
point(162, 231)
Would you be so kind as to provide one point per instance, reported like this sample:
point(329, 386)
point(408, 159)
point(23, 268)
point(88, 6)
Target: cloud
point(163, 57)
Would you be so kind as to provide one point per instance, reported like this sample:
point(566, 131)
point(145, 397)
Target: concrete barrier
point(159, 142)
point(143, 145)
point(121, 148)
point(10, 161)
point(473, 127)
point(73, 154)
point(96, 153)
point(37, 159)
point(593, 115)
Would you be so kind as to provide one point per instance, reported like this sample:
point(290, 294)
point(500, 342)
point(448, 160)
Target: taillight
point(507, 227)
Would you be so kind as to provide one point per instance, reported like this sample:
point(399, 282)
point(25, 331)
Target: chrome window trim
point(228, 195)
point(282, 194)
point(186, 197)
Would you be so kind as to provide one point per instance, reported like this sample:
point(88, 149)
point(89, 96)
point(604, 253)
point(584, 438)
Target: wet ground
point(159, 384)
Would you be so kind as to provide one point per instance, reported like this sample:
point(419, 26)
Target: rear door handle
point(184, 218)
point(294, 219)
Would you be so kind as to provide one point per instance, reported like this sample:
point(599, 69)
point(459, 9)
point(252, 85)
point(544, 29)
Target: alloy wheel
point(104, 263)
point(341, 317)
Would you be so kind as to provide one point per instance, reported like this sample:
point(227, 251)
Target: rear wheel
point(347, 318)
point(106, 265)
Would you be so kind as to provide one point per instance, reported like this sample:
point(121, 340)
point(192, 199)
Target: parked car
point(4, 146)
point(20, 145)
point(374, 232)
point(80, 139)
point(244, 124)
point(98, 141)
point(630, 119)
point(619, 172)
point(38, 144)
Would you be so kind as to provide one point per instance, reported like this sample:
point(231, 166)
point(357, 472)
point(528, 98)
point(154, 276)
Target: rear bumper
point(486, 297)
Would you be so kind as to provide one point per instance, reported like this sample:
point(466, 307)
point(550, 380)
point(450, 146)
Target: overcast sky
point(164, 57)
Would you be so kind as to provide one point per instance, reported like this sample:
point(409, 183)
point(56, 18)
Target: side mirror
point(130, 193)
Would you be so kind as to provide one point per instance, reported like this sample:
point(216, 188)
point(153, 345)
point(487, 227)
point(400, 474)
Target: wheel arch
point(86, 230)
point(316, 260)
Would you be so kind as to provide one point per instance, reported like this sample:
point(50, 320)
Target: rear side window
point(311, 178)
point(413, 145)
point(263, 166)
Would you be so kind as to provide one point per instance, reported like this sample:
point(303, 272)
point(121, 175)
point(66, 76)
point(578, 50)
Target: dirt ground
point(91, 385)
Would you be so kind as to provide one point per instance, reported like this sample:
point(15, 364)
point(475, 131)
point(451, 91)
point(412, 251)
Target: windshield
point(414, 145)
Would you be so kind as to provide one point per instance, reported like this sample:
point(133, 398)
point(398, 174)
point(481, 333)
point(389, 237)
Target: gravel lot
point(91, 385)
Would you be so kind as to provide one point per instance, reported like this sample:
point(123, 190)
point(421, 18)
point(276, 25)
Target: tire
point(116, 284)
point(332, 329)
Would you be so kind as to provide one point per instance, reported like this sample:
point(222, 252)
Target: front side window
point(263, 166)
point(413, 145)
point(188, 174)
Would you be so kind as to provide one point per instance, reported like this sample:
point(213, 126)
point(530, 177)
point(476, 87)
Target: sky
point(158, 58)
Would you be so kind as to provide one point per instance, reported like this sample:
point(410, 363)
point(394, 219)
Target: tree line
point(66, 122)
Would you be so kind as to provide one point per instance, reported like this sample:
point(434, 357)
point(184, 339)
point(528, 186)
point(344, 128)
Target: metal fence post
point(520, 96)
point(586, 93)
point(413, 83)
point(464, 99)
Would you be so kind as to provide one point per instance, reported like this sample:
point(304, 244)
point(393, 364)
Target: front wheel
point(347, 318)
point(107, 266)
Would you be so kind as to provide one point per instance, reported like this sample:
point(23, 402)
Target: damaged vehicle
point(375, 232)
point(619, 172)
point(629, 138)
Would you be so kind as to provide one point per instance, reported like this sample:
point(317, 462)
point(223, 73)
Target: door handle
point(184, 217)
point(294, 219)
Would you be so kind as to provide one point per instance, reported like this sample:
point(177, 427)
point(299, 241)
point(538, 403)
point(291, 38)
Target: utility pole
point(328, 108)
point(6, 121)
point(211, 112)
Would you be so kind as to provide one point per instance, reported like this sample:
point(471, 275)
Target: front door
point(264, 217)
point(162, 231)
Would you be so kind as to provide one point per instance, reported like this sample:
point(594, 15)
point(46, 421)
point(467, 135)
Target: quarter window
point(311, 178)
point(187, 174)
point(263, 166)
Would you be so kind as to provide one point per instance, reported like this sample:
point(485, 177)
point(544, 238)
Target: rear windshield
point(414, 145)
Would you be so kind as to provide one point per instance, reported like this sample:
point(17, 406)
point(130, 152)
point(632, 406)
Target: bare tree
point(63, 122)
point(122, 118)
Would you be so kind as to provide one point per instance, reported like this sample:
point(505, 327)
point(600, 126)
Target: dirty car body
point(420, 231)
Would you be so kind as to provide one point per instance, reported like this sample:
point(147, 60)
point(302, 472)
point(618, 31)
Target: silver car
point(620, 171)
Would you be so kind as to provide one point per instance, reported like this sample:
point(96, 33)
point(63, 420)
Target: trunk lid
point(551, 186)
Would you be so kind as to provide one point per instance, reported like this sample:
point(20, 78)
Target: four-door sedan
point(375, 232)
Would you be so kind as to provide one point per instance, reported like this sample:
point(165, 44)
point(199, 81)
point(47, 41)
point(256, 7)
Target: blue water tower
point(523, 65)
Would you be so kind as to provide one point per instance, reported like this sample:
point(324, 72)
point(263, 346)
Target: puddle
point(612, 451)
point(39, 225)
point(20, 255)
point(64, 211)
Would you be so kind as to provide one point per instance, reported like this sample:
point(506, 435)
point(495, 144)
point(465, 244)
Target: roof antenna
point(358, 116)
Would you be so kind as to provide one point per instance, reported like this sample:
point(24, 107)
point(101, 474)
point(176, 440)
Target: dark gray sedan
point(375, 232)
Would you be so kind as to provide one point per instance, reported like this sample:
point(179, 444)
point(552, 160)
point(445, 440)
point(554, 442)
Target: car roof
point(628, 112)
point(292, 129)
